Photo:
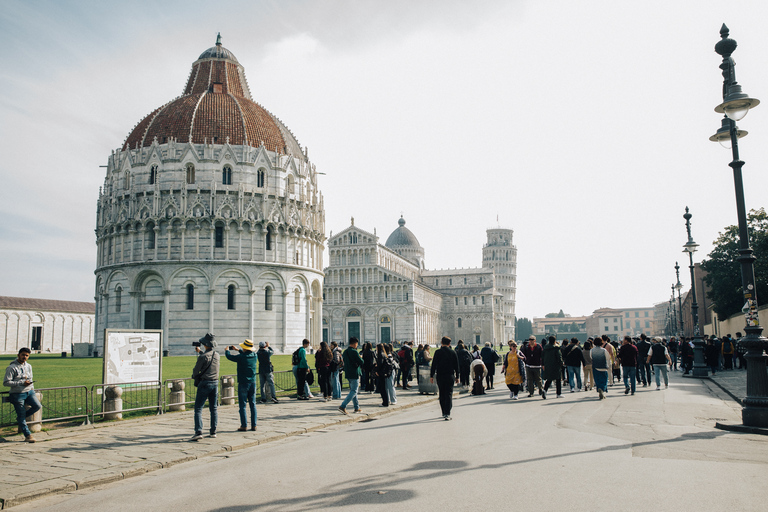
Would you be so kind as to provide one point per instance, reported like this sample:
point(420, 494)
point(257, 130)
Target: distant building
point(561, 327)
point(382, 293)
point(606, 321)
point(44, 325)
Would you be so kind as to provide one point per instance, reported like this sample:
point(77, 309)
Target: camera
point(196, 344)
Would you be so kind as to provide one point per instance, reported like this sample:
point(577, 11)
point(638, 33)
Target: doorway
point(153, 319)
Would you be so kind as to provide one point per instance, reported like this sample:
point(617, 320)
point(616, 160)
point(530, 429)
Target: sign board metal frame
point(154, 336)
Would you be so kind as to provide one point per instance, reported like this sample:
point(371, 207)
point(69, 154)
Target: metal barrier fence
point(110, 401)
point(59, 404)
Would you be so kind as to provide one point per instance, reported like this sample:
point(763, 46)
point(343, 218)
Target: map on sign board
point(132, 356)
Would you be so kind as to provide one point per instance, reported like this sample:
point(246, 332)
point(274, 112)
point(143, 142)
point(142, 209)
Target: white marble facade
point(42, 325)
point(380, 293)
point(210, 220)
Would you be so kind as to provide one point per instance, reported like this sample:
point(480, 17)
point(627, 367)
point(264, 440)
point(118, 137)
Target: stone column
point(35, 422)
point(166, 318)
point(177, 395)
point(251, 312)
point(113, 402)
point(210, 310)
point(285, 320)
point(227, 391)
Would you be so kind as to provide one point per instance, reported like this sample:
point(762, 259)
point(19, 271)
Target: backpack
point(419, 358)
point(387, 366)
point(295, 359)
point(401, 354)
point(465, 357)
point(337, 360)
point(727, 346)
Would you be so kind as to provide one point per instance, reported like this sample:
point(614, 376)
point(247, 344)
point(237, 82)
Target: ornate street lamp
point(699, 368)
point(679, 287)
point(735, 106)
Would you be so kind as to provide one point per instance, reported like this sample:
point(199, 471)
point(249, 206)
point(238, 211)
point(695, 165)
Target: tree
point(523, 328)
point(555, 315)
point(724, 271)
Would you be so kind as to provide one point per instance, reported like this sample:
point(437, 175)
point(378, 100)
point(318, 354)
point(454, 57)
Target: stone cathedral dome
point(402, 237)
point(216, 107)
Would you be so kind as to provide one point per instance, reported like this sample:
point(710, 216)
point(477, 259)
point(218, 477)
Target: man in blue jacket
point(245, 358)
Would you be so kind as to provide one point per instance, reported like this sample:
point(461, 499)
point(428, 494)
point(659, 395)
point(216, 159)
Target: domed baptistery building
point(210, 220)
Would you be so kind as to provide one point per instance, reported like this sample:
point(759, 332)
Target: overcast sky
point(582, 125)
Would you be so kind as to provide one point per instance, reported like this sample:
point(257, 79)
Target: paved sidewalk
point(67, 459)
point(733, 382)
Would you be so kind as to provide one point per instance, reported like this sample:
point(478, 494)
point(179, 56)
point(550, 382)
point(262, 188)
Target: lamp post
point(735, 106)
point(672, 314)
point(699, 368)
point(678, 287)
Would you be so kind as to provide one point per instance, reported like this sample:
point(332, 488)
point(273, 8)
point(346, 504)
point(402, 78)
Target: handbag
point(310, 377)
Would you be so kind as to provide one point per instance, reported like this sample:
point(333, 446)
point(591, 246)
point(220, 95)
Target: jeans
point(20, 401)
point(352, 395)
point(601, 379)
point(574, 374)
point(389, 382)
point(644, 372)
point(246, 392)
point(630, 373)
point(267, 380)
point(335, 385)
point(207, 390)
point(661, 368)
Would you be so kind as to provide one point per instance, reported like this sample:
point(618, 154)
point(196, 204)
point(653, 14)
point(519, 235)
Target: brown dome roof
point(216, 106)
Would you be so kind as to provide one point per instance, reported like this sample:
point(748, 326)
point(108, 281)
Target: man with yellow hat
point(246, 380)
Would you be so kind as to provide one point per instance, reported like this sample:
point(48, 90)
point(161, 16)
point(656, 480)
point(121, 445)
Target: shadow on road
point(382, 488)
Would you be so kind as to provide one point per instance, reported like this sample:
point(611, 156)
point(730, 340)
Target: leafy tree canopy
point(555, 315)
point(724, 272)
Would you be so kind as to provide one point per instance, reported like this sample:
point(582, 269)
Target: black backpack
point(295, 359)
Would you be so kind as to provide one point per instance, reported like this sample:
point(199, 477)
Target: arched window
point(260, 178)
point(118, 299)
point(474, 301)
point(127, 183)
point(269, 238)
point(458, 322)
point(152, 175)
point(226, 175)
point(190, 173)
point(289, 184)
point(268, 299)
point(231, 297)
point(219, 238)
point(297, 300)
point(190, 296)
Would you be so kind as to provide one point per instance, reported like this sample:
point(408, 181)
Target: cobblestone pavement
point(75, 458)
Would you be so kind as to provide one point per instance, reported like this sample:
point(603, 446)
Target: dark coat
point(552, 361)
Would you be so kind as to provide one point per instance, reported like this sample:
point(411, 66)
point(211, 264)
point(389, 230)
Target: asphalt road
point(657, 450)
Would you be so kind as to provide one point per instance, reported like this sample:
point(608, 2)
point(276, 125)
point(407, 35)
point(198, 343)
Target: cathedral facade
point(384, 293)
point(210, 220)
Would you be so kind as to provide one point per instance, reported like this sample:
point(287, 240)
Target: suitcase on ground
point(425, 387)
